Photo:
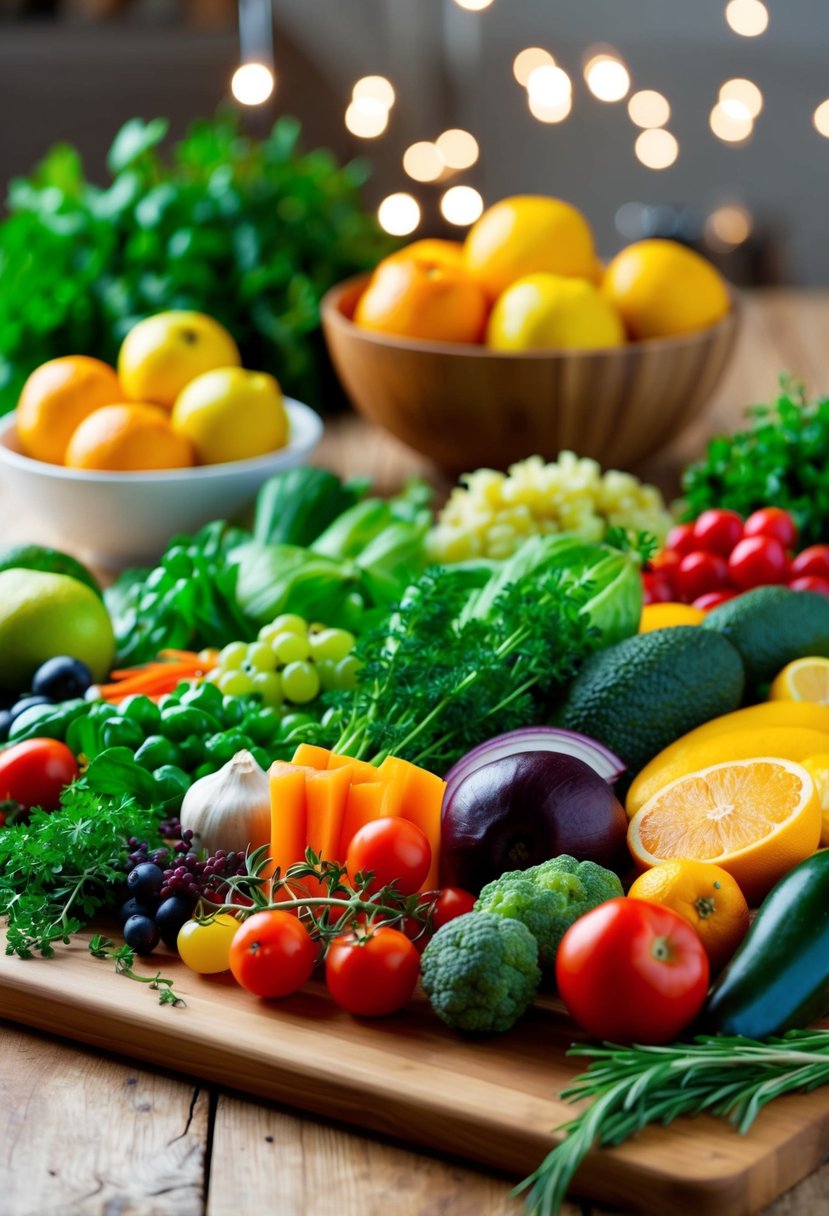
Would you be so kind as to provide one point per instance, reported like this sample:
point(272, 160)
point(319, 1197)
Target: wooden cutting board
point(491, 1100)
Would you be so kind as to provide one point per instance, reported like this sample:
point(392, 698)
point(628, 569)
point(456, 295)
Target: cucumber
point(779, 978)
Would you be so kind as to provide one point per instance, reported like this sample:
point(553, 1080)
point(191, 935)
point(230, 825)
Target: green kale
point(549, 898)
point(480, 972)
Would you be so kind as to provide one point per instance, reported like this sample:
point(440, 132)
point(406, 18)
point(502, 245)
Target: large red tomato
point(272, 954)
point(631, 971)
point(35, 772)
point(372, 974)
point(394, 850)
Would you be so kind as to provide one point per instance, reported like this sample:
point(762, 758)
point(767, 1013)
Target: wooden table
point(85, 1133)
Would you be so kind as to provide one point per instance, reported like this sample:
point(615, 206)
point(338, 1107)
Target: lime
point(43, 615)
point(53, 561)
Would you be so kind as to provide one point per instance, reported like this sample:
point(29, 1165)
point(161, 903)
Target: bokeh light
point(607, 78)
point(740, 98)
point(729, 127)
point(549, 86)
point(399, 214)
point(458, 149)
point(647, 108)
point(728, 226)
point(423, 162)
point(474, 6)
point(461, 205)
point(656, 148)
point(821, 118)
point(528, 60)
point(377, 88)
point(366, 117)
point(252, 84)
point(552, 113)
point(747, 17)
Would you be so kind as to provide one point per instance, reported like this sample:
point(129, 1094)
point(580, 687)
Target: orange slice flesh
point(803, 680)
point(756, 818)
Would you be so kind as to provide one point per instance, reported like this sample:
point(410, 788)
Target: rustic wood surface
point(86, 1133)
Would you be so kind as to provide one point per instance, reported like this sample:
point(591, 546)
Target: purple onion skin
point(524, 809)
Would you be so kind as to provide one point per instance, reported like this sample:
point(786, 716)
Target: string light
point(366, 118)
point(747, 17)
point(527, 60)
point(647, 108)
point(423, 162)
point(378, 88)
point(549, 86)
point(656, 148)
point(821, 119)
point(457, 148)
point(474, 6)
point(461, 205)
point(399, 214)
point(729, 127)
point(554, 113)
point(728, 226)
point(741, 98)
point(252, 84)
point(607, 78)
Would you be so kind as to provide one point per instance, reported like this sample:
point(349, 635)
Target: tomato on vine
point(272, 954)
point(394, 850)
point(374, 973)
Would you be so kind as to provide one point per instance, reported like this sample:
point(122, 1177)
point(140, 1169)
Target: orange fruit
point(432, 301)
point(756, 818)
point(431, 249)
point(802, 680)
point(661, 288)
point(666, 615)
point(706, 896)
point(56, 397)
point(128, 437)
point(552, 311)
point(163, 353)
point(818, 769)
point(528, 234)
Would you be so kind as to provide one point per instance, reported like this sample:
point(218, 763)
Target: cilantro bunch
point(782, 460)
point(251, 231)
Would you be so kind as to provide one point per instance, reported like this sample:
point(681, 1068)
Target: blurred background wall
point(75, 69)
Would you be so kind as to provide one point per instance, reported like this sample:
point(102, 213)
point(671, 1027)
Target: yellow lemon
point(802, 680)
point(163, 353)
point(664, 616)
point(231, 413)
point(527, 234)
point(548, 311)
point(818, 769)
point(661, 288)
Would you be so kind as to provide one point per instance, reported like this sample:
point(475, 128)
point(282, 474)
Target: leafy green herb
point(433, 685)
point(295, 506)
point(251, 231)
point(60, 868)
point(631, 1087)
point(124, 959)
point(780, 461)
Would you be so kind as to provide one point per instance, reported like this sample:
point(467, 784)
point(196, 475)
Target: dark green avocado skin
point(779, 978)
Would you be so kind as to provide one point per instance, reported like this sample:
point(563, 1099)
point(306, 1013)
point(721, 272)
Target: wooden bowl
point(467, 406)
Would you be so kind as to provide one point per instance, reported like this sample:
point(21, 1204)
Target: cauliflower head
point(548, 898)
point(480, 972)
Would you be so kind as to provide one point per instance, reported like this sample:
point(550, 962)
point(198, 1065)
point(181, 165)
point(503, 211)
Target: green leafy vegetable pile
point(781, 459)
point(251, 231)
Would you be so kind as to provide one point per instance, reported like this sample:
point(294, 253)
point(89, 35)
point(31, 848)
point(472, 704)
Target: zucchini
point(779, 978)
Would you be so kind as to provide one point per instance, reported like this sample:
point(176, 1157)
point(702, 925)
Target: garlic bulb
point(229, 809)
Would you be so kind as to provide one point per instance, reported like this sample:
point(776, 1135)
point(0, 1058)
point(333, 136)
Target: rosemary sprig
point(631, 1087)
point(124, 959)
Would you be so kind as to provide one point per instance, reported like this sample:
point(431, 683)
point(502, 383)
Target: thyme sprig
point(630, 1087)
point(124, 959)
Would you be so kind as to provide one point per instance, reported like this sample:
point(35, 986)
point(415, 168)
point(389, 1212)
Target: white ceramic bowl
point(114, 520)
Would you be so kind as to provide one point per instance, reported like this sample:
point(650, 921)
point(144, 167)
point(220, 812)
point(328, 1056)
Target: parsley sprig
point(124, 959)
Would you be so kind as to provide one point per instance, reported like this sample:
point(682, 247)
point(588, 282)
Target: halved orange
point(818, 769)
point(802, 680)
point(756, 818)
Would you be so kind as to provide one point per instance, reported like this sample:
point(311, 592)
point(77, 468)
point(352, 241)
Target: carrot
point(156, 678)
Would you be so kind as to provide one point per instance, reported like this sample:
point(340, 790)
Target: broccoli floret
point(548, 898)
point(480, 972)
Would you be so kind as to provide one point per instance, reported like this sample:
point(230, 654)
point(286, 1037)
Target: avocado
point(643, 693)
point(770, 627)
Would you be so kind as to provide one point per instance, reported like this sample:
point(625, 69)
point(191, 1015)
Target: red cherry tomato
point(772, 521)
point(451, 902)
point(758, 561)
point(631, 971)
point(35, 772)
point(718, 530)
point(700, 572)
point(681, 539)
point(394, 850)
point(713, 599)
point(809, 582)
point(656, 588)
point(814, 561)
point(372, 974)
point(666, 562)
point(272, 954)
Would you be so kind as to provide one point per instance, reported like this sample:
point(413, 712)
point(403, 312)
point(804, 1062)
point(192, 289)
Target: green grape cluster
point(291, 661)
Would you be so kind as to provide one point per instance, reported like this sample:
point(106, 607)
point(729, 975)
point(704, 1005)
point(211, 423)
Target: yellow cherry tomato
point(205, 947)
